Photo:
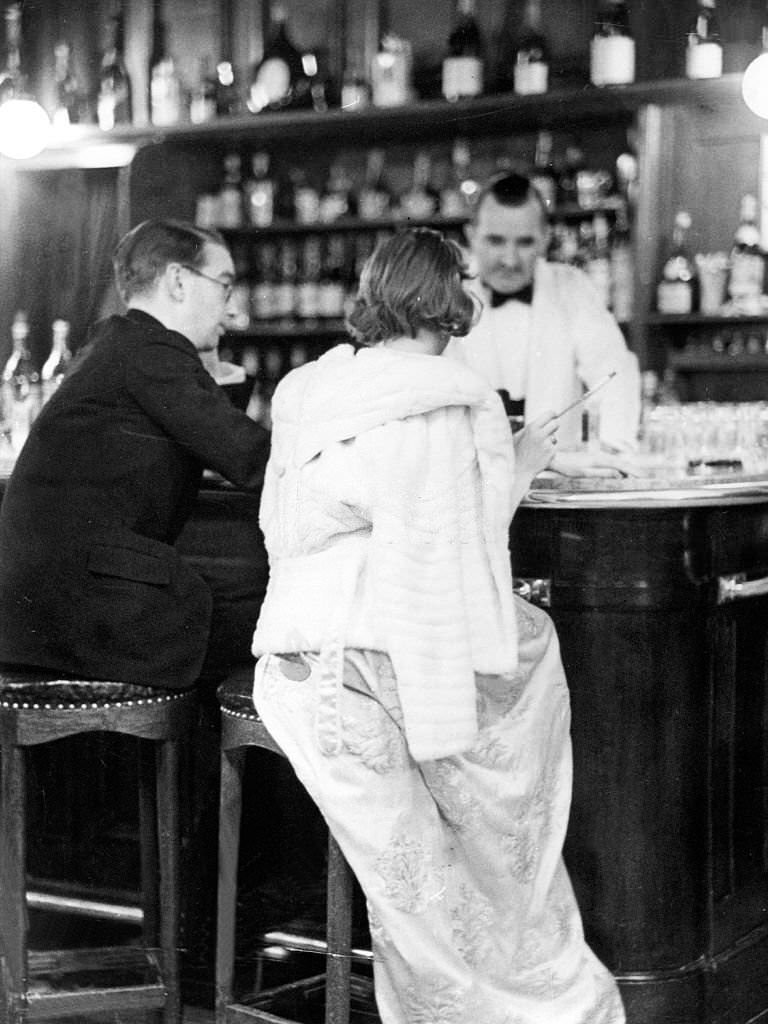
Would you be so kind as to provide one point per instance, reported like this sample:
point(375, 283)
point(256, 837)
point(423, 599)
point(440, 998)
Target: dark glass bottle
point(531, 64)
point(463, 65)
point(68, 107)
point(202, 99)
point(279, 80)
point(612, 50)
point(114, 104)
point(704, 51)
point(12, 79)
point(164, 83)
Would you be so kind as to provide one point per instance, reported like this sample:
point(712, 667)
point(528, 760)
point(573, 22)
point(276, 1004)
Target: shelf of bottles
point(712, 310)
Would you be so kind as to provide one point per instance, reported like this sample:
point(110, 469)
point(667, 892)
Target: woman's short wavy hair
point(412, 280)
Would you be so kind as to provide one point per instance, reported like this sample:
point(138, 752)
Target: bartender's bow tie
point(523, 295)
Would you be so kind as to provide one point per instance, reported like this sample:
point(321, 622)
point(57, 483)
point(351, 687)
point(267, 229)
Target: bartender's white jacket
point(564, 342)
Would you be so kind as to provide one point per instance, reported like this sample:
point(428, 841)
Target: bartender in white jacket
point(543, 335)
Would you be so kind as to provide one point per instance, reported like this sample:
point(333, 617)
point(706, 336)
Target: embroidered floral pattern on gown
point(472, 915)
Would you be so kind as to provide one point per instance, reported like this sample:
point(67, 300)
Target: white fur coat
point(386, 511)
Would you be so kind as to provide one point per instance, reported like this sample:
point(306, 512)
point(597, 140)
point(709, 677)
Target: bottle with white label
point(55, 366)
point(674, 294)
point(531, 71)
point(463, 65)
point(612, 49)
point(704, 50)
point(747, 260)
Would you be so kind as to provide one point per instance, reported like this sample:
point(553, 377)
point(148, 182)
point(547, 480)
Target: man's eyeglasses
point(226, 285)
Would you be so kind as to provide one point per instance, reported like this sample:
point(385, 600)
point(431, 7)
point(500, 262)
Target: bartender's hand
point(536, 444)
point(597, 463)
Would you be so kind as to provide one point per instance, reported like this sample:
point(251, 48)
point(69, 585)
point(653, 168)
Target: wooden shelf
point(703, 320)
point(413, 124)
point(718, 363)
point(570, 212)
point(289, 331)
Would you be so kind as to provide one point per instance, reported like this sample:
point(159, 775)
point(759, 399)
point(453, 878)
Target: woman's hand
point(536, 445)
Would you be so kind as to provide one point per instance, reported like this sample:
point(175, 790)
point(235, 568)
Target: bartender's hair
point(143, 254)
point(413, 279)
point(510, 189)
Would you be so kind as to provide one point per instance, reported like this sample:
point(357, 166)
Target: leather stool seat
point(241, 728)
point(37, 707)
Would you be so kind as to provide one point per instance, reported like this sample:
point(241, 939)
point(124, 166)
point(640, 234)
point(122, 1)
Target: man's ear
point(172, 282)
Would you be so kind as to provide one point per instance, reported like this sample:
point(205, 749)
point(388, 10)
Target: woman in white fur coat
point(421, 703)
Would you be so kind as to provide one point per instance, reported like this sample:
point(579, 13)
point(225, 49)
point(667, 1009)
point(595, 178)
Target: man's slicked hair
point(143, 254)
point(510, 189)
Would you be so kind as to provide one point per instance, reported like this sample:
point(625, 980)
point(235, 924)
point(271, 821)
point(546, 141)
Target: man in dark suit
point(90, 582)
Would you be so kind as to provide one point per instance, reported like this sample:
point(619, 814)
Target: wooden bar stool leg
point(147, 762)
point(168, 826)
point(230, 811)
point(13, 884)
point(339, 937)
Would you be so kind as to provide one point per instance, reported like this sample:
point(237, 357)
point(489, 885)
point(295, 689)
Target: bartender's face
point(506, 241)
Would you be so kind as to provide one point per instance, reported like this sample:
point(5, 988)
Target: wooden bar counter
point(665, 647)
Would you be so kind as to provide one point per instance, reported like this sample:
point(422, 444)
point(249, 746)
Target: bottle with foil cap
point(704, 50)
point(612, 49)
point(55, 366)
point(463, 65)
point(20, 385)
point(675, 291)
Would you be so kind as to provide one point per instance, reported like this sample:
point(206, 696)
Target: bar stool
point(241, 728)
point(37, 708)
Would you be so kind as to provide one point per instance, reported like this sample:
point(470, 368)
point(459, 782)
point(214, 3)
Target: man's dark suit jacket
point(90, 583)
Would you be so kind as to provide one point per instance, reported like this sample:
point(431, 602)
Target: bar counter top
point(658, 589)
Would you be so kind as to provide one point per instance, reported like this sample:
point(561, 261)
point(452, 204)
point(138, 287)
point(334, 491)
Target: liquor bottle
point(598, 259)
point(375, 197)
point(391, 72)
point(12, 78)
point(114, 103)
point(259, 192)
point(55, 366)
point(422, 200)
point(286, 285)
point(704, 51)
point(675, 291)
point(68, 105)
point(305, 199)
point(337, 199)
point(227, 93)
point(164, 82)
point(573, 162)
point(21, 385)
point(263, 292)
point(747, 260)
point(202, 99)
point(332, 290)
point(278, 81)
point(544, 177)
point(230, 197)
point(355, 90)
point(531, 59)
point(612, 49)
point(463, 65)
point(622, 267)
point(308, 287)
point(458, 197)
